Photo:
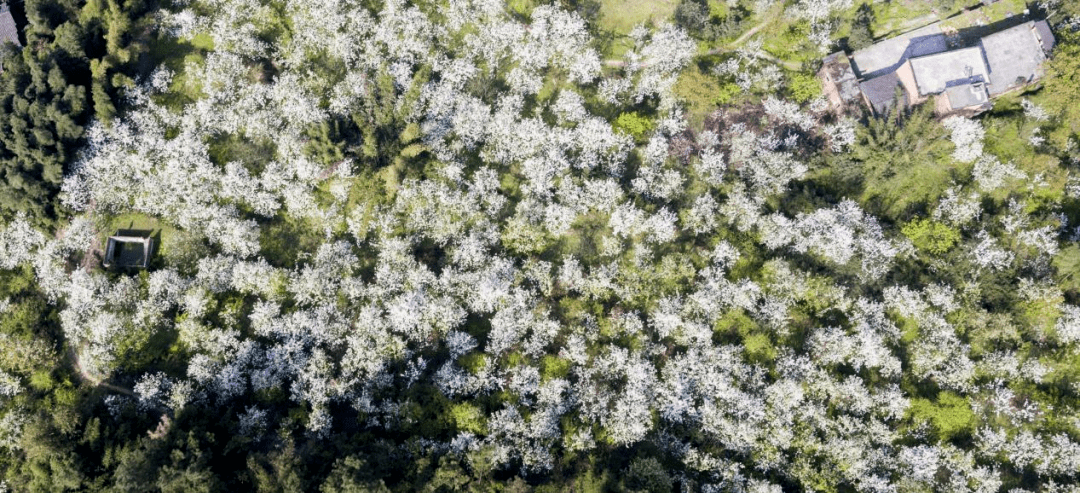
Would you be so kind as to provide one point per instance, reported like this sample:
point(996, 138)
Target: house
point(1016, 55)
point(940, 71)
point(920, 65)
point(128, 251)
point(8, 31)
point(971, 97)
point(880, 93)
point(839, 83)
point(888, 55)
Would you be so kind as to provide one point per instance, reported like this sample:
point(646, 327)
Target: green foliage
point(698, 89)
point(50, 89)
point(382, 121)
point(634, 124)
point(804, 87)
point(411, 133)
point(1061, 89)
point(860, 35)
point(648, 474)
point(467, 417)
point(473, 362)
point(903, 164)
point(692, 15)
point(950, 415)
point(931, 236)
point(727, 93)
point(327, 142)
point(1067, 263)
point(525, 237)
point(759, 347)
point(278, 472)
point(352, 475)
point(553, 367)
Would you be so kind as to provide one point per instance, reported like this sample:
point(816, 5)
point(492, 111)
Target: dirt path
point(788, 64)
point(93, 379)
point(746, 35)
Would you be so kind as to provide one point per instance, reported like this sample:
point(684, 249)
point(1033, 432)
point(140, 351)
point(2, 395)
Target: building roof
point(967, 95)
point(1046, 37)
point(935, 73)
point(888, 55)
point(128, 251)
point(836, 69)
point(880, 92)
point(8, 30)
point(1015, 56)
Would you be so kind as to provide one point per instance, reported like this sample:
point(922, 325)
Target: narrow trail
point(788, 64)
point(92, 379)
point(746, 35)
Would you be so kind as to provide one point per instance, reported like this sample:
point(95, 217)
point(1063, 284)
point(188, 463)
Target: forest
point(528, 245)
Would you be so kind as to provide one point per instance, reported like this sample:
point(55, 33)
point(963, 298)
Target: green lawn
point(176, 55)
point(900, 16)
point(618, 18)
point(622, 15)
point(700, 91)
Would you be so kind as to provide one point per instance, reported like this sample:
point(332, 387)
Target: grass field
point(176, 54)
point(899, 16)
point(619, 17)
point(700, 91)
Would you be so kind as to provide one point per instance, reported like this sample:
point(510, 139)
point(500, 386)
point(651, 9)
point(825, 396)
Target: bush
point(804, 87)
point(692, 15)
point(648, 474)
point(931, 236)
point(728, 92)
point(633, 124)
point(951, 415)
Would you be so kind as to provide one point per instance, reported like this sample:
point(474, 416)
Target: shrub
point(951, 415)
point(633, 124)
point(804, 87)
point(931, 236)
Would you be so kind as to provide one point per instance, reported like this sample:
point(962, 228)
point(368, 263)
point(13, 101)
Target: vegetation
point(525, 246)
point(81, 54)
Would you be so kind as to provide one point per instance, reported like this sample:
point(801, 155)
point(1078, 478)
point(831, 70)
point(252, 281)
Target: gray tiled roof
point(888, 55)
point(1015, 56)
point(8, 31)
point(935, 73)
point(1046, 37)
point(881, 92)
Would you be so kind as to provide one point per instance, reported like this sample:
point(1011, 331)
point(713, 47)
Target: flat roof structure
point(128, 251)
point(1015, 56)
point(935, 73)
point(888, 55)
point(967, 96)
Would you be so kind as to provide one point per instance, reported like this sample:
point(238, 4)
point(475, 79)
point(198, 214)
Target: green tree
point(50, 90)
point(860, 36)
point(1061, 89)
point(352, 475)
point(634, 124)
point(950, 415)
point(931, 236)
point(804, 87)
point(647, 474)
